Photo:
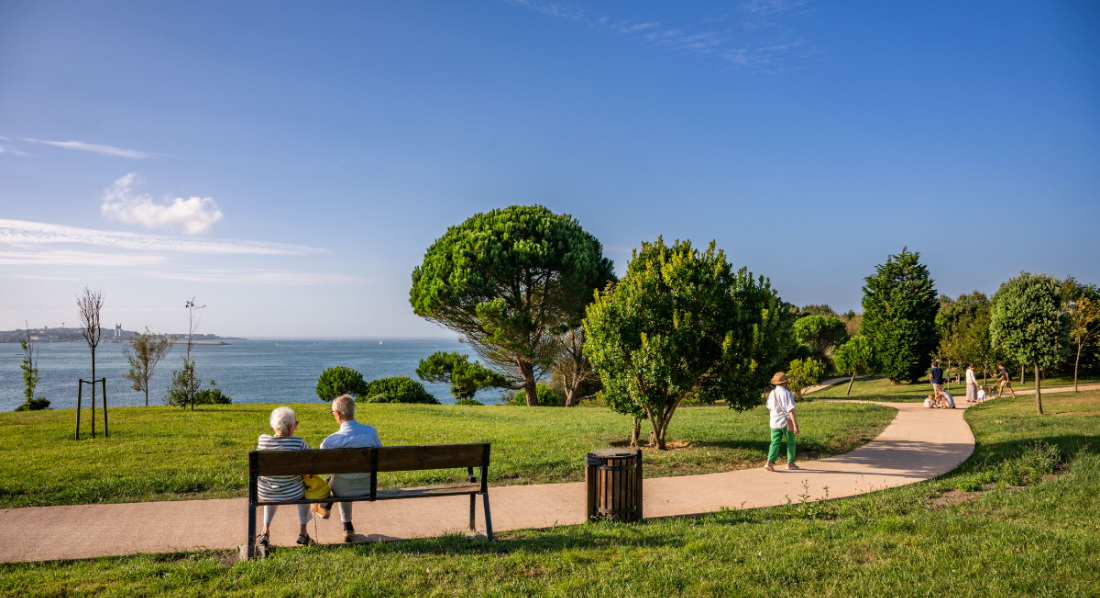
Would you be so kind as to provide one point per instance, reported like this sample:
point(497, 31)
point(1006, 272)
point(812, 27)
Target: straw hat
point(780, 378)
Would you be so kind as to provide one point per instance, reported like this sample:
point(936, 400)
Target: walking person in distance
point(1006, 381)
point(783, 423)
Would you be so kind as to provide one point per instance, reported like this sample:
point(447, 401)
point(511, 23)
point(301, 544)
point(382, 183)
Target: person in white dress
point(971, 385)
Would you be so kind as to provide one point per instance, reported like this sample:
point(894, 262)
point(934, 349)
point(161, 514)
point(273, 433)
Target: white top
point(780, 400)
point(970, 377)
point(351, 434)
point(949, 399)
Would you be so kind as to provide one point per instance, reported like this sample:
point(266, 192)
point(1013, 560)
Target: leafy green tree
point(899, 316)
point(183, 386)
point(681, 323)
point(817, 310)
point(856, 356)
point(1030, 324)
point(340, 380)
point(143, 353)
point(464, 377)
point(1083, 303)
point(804, 373)
point(511, 282)
point(397, 389)
point(821, 333)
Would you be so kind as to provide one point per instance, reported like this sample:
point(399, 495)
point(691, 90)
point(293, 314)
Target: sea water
point(249, 371)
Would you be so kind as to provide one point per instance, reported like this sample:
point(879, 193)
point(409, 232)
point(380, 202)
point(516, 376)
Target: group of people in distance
point(351, 434)
point(975, 393)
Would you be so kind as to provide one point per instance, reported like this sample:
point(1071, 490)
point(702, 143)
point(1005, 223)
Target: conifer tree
point(899, 316)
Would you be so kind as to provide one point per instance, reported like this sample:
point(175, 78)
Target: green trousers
point(777, 437)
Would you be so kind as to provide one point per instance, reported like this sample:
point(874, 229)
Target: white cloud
point(195, 215)
point(553, 9)
point(4, 149)
point(272, 277)
point(75, 258)
point(95, 148)
point(18, 232)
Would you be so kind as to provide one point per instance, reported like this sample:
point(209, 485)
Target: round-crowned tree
point(1029, 324)
point(338, 381)
point(397, 389)
point(899, 316)
point(511, 282)
point(682, 323)
point(821, 333)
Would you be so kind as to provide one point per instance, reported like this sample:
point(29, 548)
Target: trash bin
point(613, 479)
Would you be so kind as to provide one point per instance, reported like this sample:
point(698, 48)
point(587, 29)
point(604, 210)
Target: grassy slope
point(163, 453)
point(880, 389)
point(921, 540)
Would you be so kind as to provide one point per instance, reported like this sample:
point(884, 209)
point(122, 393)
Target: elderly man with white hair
point(351, 434)
point(283, 487)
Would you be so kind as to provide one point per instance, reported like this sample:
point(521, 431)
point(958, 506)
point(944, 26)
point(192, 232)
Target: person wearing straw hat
point(783, 422)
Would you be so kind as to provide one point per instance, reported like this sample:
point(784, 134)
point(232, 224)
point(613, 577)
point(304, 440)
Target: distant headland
point(116, 334)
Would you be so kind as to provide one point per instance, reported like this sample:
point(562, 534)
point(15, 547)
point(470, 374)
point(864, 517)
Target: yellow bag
point(316, 487)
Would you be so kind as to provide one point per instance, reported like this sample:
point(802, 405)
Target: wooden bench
point(374, 460)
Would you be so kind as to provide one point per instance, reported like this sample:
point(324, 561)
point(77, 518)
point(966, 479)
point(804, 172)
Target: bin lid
point(611, 453)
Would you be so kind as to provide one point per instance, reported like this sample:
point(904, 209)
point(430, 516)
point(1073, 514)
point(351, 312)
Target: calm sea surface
point(254, 371)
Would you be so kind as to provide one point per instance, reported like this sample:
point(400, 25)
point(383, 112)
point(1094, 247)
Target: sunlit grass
point(162, 453)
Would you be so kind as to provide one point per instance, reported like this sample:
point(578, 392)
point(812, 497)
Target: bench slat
point(425, 491)
point(395, 493)
point(314, 461)
point(441, 456)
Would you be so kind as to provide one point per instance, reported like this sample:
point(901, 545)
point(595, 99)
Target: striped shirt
point(280, 487)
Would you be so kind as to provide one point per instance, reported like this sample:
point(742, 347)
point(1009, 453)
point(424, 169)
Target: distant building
point(118, 331)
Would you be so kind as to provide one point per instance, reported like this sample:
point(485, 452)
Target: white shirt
point(351, 434)
point(970, 377)
point(780, 400)
point(949, 399)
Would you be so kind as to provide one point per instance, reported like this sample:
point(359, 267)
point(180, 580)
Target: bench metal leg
point(488, 517)
point(251, 531)
point(473, 511)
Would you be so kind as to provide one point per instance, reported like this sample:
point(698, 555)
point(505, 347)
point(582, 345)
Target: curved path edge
point(919, 444)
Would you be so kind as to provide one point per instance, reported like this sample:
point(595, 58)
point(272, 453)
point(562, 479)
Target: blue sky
point(288, 164)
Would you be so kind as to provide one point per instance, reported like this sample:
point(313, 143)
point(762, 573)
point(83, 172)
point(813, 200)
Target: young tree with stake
point(89, 305)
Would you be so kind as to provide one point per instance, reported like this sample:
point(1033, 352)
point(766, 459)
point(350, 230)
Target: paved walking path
point(917, 445)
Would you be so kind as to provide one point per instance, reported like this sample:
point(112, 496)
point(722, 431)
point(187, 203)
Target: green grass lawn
point(880, 389)
point(1038, 535)
point(163, 453)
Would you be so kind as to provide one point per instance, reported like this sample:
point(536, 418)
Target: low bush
point(398, 389)
point(340, 380)
point(545, 395)
point(469, 402)
point(212, 396)
point(36, 404)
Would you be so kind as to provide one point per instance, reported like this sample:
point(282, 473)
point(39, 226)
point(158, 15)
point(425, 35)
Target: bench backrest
point(371, 460)
point(368, 460)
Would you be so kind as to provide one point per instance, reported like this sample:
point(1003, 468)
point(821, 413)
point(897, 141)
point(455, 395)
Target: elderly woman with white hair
point(283, 487)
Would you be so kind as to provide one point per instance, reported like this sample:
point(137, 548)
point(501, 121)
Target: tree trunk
point(93, 393)
point(529, 387)
point(1075, 364)
point(636, 431)
point(1023, 373)
point(850, 382)
point(1038, 390)
point(147, 394)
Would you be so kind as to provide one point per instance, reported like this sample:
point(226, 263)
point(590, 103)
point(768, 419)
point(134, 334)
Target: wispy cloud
point(95, 148)
point(194, 215)
point(7, 149)
point(19, 232)
point(272, 277)
point(725, 37)
point(553, 9)
point(75, 258)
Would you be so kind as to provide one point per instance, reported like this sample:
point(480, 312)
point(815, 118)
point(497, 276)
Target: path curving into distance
point(917, 445)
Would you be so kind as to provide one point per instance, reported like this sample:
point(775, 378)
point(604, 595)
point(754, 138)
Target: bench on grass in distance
point(374, 460)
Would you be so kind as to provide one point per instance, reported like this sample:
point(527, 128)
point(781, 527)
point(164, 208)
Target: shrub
point(212, 396)
point(546, 396)
point(34, 405)
point(467, 401)
point(804, 373)
point(398, 389)
point(338, 381)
